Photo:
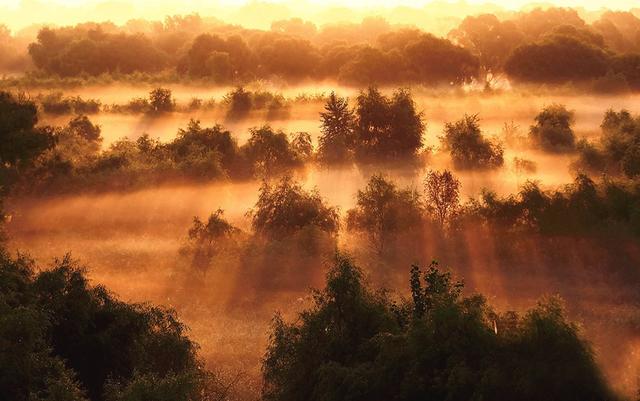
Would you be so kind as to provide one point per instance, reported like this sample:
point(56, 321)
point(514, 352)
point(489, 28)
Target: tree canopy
point(355, 343)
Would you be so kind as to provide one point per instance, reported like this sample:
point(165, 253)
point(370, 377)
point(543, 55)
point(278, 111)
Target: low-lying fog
point(130, 241)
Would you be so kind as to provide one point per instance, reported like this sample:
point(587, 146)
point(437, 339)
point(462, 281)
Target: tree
point(239, 102)
point(387, 129)
point(336, 143)
point(301, 145)
point(286, 208)
point(557, 59)
point(442, 193)
point(355, 343)
point(552, 131)
point(488, 38)
point(383, 211)
point(269, 151)
point(62, 339)
point(20, 141)
point(161, 101)
point(205, 151)
point(208, 239)
point(84, 128)
point(468, 147)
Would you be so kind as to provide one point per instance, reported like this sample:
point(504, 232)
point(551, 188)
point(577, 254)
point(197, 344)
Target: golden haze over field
point(459, 181)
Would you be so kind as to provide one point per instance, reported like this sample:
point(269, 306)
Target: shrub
point(383, 211)
point(469, 149)
point(552, 131)
point(286, 208)
point(269, 152)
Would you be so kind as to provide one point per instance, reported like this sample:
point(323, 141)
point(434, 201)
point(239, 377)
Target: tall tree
point(20, 141)
point(442, 192)
point(336, 142)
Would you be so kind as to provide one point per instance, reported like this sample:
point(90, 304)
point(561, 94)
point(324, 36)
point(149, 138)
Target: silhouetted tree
point(552, 131)
point(387, 129)
point(62, 339)
point(207, 239)
point(161, 101)
point(468, 147)
point(301, 145)
point(557, 59)
point(20, 141)
point(239, 103)
point(84, 128)
point(488, 38)
point(358, 344)
point(383, 211)
point(442, 193)
point(269, 152)
point(286, 208)
point(336, 143)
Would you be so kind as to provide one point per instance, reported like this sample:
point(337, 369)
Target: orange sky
point(17, 14)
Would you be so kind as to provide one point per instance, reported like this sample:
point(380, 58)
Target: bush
point(208, 239)
point(382, 211)
point(239, 103)
point(552, 131)
point(269, 152)
point(469, 149)
point(578, 209)
point(286, 208)
point(618, 151)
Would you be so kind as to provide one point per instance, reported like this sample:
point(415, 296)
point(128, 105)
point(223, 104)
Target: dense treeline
point(388, 217)
point(374, 129)
point(553, 45)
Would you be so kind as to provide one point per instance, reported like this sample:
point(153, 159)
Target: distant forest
point(542, 46)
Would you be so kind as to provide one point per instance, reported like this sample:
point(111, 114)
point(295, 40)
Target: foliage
point(618, 150)
point(239, 103)
point(160, 101)
point(20, 141)
point(285, 208)
point(488, 38)
point(557, 59)
point(71, 52)
point(336, 142)
point(269, 152)
point(57, 103)
point(356, 344)
point(468, 147)
point(208, 239)
point(62, 339)
point(582, 207)
point(442, 194)
point(301, 145)
point(205, 152)
point(552, 131)
point(382, 211)
point(387, 129)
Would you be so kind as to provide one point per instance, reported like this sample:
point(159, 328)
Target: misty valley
point(196, 209)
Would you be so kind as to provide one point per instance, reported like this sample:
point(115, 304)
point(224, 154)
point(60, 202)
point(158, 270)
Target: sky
point(18, 14)
point(510, 4)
